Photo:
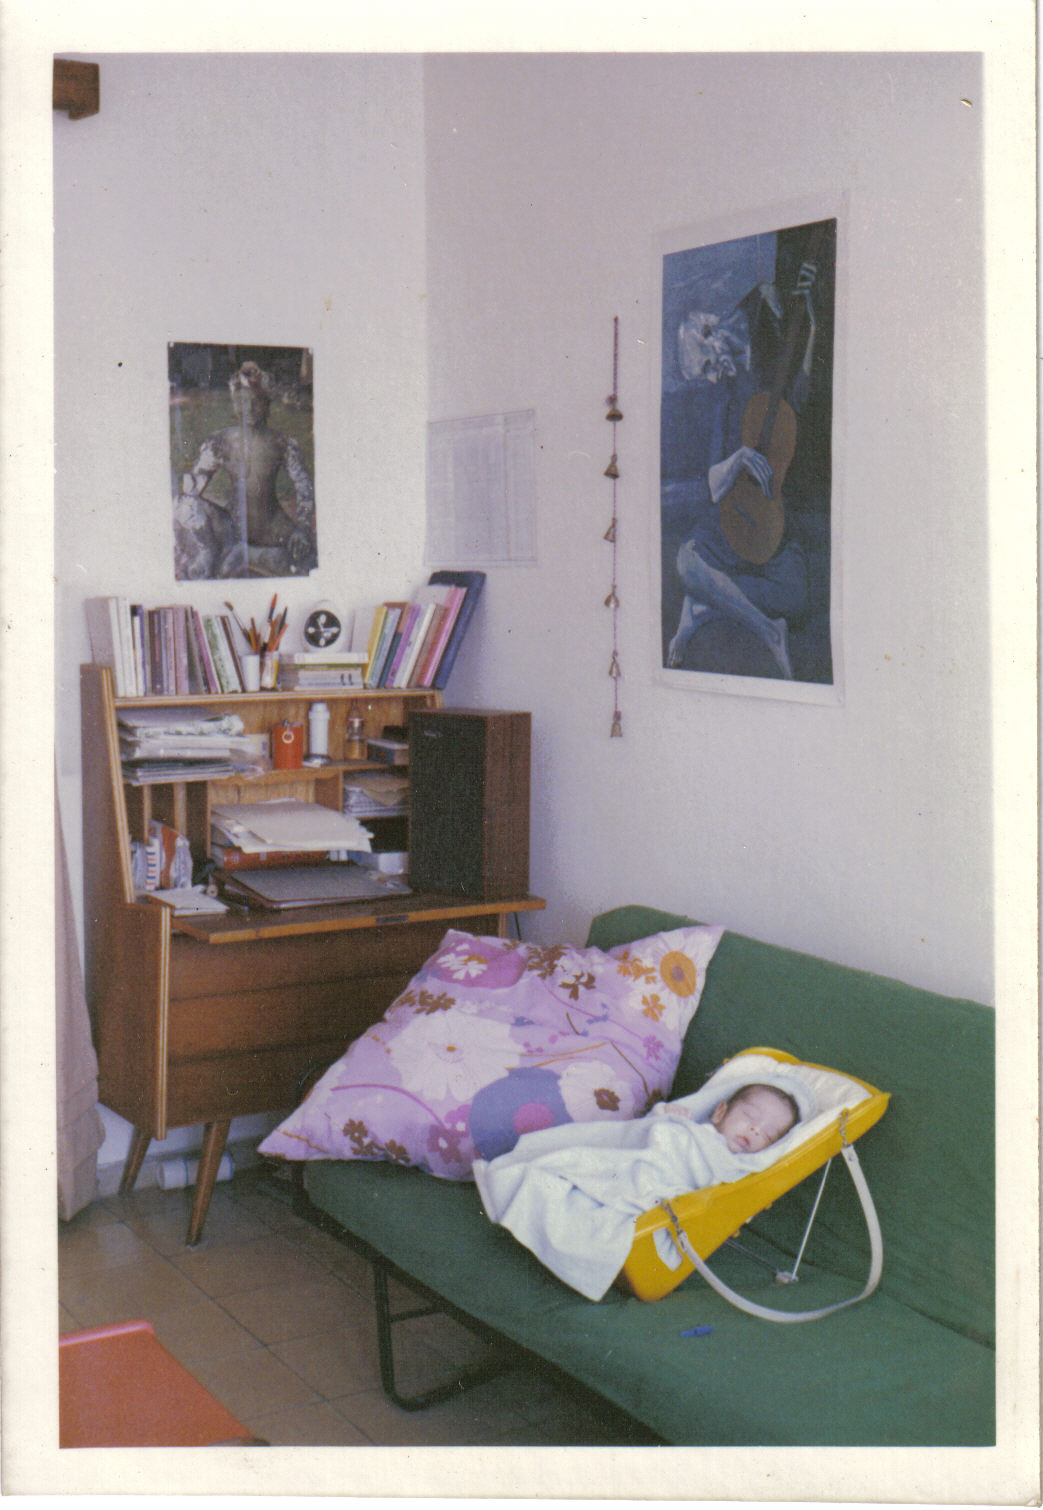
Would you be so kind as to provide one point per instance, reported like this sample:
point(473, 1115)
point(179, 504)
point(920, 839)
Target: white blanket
point(572, 1194)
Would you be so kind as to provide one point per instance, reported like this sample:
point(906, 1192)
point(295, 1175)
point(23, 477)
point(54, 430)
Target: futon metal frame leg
point(466, 1379)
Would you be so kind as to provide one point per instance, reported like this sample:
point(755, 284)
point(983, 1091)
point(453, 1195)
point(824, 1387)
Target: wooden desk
point(119, 1387)
point(239, 1009)
point(203, 1019)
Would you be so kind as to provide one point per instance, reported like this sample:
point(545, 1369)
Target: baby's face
point(756, 1121)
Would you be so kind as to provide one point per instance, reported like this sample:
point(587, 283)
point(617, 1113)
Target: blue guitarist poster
point(745, 458)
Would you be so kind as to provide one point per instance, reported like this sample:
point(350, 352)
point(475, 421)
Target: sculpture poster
point(242, 455)
point(745, 456)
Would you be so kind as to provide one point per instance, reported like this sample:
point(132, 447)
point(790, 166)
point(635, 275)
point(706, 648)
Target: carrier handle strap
point(876, 1262)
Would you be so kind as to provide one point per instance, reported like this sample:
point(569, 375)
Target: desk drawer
point(208, 1026)
point(199, 969)
point(240, 1085)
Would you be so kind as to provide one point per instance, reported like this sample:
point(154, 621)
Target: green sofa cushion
point(874, 1375)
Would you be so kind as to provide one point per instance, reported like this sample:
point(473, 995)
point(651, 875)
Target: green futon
point(912, 1365)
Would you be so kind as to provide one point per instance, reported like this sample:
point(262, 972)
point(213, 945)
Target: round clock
point(323, 627)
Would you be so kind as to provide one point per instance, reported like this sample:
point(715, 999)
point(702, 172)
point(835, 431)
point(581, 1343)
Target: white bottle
point(318, 730)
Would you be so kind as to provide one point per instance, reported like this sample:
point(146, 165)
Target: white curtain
point(80, 1129)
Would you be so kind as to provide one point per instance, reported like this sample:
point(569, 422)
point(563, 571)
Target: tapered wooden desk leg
point(214, 1137)
point(135, 1158)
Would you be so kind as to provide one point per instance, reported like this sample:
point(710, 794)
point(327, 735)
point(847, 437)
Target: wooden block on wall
point(76, 87)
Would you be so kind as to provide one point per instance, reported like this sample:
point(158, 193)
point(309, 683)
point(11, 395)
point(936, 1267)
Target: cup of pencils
point(264, 644)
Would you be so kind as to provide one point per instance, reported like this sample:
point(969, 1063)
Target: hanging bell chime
point(610, 533)
point(612, 470)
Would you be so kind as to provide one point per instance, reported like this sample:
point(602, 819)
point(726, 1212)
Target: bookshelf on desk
point(198, 1020)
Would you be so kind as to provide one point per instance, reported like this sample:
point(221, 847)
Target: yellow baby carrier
point(835, 1110)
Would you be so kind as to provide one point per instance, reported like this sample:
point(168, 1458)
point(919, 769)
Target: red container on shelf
point(288, 746)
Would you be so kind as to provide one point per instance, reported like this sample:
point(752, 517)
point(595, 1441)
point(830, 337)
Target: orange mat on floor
point(119, 1387)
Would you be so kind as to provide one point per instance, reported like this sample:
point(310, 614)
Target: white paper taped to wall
point(481, 489)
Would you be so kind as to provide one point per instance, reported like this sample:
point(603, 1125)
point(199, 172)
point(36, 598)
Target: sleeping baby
point(753, 1118)
point(573, 1193)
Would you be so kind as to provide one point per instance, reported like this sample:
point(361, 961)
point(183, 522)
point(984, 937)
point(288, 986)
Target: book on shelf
point(130, 669)
point(415, 643)
point(397, 646)
point(210, 680)
point(108, 640)
point(311, 658)
point(179, 635)
point(176, 651)
point(420, 623)
point(156, 679)
point(155, 651)
point(426, 602)
point(197, 682)
point(231, 857)
point(472, 583)
point(220, 654)
point(389, 614)
point(166, 620)
point(430, 640)
point(443, 629)
point(330, 679)
point(137, 631)
point(168, 651)
point(166, 629)
point(371, 644)
point(233, 649)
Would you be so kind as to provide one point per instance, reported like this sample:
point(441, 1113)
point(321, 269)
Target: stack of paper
point(188, 724)
point(157, 744)
point(322, 668)
point(286, 824)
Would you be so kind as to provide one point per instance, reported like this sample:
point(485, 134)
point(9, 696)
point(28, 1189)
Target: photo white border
point(1006, 1474)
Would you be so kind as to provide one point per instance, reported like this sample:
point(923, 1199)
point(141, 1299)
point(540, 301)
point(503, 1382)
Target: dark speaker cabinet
point(469, 802)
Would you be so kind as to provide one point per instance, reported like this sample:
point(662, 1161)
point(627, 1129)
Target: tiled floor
point(276, 1319)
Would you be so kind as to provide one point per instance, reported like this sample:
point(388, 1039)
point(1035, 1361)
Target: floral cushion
point(494, 1038)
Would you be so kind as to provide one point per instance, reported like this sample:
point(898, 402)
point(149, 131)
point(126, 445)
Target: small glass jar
point(355, 737)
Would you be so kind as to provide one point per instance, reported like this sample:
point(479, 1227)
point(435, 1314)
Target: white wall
point(244, 199)
point(860, 832)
